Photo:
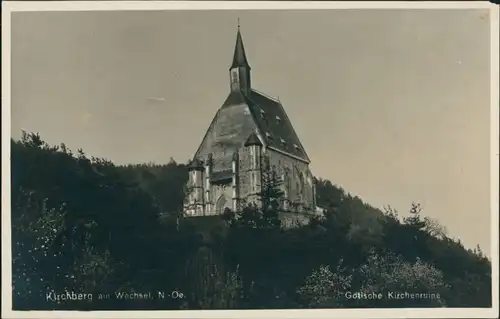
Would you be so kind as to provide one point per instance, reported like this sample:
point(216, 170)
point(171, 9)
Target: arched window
point(221, 204)
point(286, 181)
point(301, 183)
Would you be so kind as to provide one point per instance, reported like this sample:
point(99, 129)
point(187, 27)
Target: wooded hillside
point(83, 224)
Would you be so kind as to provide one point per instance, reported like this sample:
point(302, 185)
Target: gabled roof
point(271, 121)
point(235, 98)
point(195, 164)
point(268, 120)
point(239, 57)
point(253, 139)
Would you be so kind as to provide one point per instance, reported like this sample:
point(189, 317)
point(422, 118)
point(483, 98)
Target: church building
point(248, 130)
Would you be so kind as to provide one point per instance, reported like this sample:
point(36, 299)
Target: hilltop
point(83, 224)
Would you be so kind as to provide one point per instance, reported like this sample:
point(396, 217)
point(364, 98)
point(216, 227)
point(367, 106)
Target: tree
point(324, 288)
point(79, 224)
point(433, 228)
point(34, 261)
point(83, 223)
point(415, 221)
point(391, 274)
point(271, 195)
point(265, 213)
point(209, 286)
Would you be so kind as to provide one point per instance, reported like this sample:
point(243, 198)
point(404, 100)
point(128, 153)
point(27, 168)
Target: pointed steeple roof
point(239, 57)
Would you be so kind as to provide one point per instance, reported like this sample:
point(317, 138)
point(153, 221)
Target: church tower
point(249, 133)
point(239, 72)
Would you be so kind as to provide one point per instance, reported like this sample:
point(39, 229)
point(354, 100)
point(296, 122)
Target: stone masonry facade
point(250, 129)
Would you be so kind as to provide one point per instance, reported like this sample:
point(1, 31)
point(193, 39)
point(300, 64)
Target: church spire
point(240, 69)
point(239, 57)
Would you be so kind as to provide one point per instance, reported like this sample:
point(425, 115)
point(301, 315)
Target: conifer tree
point(271, 195)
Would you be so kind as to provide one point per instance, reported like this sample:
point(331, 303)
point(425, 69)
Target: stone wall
point(292, 219)
point(227, 133)
point(195, 201)
point(244, 172)
point(229, 130)
point(219, 191)
point(248, 175)
point(299, 184)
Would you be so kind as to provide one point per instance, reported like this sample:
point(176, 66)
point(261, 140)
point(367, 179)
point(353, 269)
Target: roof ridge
point(265, 95)
point(302, 159)
point(212, 123)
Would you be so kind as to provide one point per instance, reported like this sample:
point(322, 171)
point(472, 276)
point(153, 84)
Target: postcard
point(249, 159)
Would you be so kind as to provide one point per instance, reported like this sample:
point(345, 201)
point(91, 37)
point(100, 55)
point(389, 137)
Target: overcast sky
point(391, 105)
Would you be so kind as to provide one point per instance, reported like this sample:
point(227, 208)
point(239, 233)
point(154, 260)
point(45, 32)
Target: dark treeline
point(82, 224)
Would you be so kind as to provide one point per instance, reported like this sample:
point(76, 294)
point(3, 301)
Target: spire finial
point(239, 58)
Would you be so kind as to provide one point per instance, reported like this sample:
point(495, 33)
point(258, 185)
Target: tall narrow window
point(301, 187)
point(234, 77)
point(286, 182)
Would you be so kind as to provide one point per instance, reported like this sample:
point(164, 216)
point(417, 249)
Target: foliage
point(90, 228)
point(264, 212)
point(83, 224)
point(324, 288)
point(213, 287)
point(390, 274)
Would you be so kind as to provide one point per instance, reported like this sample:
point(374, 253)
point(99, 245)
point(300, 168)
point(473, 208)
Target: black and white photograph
point(236, 159)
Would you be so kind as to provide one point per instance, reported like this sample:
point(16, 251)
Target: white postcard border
point(9, 7)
